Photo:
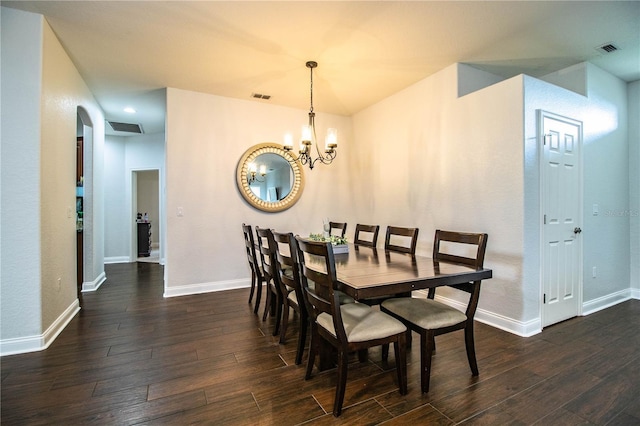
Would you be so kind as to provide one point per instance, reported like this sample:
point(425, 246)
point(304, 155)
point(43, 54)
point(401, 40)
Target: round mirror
point(269, 178)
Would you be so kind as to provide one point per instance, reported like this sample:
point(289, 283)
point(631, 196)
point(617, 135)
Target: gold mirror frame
point(242, 172)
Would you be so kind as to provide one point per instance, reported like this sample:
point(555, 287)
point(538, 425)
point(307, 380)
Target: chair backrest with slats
point(250, 248)
point(477, 240)
point(341, 227)
point(267, 249)
point(369, 230)
point(396, 233)
point(287, 264)
point(317, 265)
point(458, 241)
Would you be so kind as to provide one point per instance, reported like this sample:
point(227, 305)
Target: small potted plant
point(339, 244)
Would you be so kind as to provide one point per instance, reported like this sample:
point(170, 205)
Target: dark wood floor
point(134, 357)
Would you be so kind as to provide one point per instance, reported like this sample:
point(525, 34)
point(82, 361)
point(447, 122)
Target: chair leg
point(426, 349)
point(285, 323)
point(267, 303)
point(278, 313)
point(313, 350)
point(302, 338)
point(343, 360)
point(258, 295)
point(385, 351)
point(253, 284)
point(471, 349)
point(400, 350)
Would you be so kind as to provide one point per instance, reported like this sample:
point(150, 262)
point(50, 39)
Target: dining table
point(369, 272)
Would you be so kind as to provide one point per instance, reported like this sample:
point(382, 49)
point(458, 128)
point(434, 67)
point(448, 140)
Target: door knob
point(577, 230)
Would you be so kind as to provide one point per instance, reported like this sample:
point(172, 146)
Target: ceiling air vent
point(607, 48)
point(126, 127)
point(260, 96)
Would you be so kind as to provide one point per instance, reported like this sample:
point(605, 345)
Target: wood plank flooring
point(134, 357)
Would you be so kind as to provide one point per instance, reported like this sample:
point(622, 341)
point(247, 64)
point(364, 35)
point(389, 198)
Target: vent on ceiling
point(260, 96)
point(126, 127)
point(608, 48)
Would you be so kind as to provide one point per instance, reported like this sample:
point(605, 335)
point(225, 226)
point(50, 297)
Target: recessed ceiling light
point(130, 110)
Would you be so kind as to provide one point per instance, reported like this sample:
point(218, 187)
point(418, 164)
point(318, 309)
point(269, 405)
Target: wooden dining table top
point(366, 272)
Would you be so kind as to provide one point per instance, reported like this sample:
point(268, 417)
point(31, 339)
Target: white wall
point(41, 94)
point(606, 183)
point(461, 160)
point(21, 81)
point(117, 216)
point(206, 136)
point(634, 185)
point(123, 156)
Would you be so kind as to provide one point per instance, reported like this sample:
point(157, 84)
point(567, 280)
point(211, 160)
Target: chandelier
point(252, 176)
point(309, 142)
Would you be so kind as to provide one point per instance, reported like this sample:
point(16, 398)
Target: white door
point(562, 213)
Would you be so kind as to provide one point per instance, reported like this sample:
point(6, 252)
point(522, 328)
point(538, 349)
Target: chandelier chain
point(311, 91)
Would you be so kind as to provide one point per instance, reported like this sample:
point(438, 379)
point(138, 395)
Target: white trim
point(36, 343)
point(635, 293)
point(116, 259)
point(607, 301)
point(185, 290)
point(95, 284)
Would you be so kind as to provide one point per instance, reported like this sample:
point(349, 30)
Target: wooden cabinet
point(144, 239)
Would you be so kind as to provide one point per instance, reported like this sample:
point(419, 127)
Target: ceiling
point(127, 51)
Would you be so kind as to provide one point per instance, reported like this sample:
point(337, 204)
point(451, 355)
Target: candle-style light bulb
point(306, 135)
point(288, 141)
point(331, 141)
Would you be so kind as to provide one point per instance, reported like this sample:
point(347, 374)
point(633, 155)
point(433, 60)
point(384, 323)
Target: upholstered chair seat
point(425, 313)
point(362, 323)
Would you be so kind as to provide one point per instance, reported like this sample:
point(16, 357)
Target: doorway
point(561, 199)
point(84, 203)
point(146, 212)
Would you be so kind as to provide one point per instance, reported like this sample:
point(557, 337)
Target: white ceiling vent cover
point(126, 127)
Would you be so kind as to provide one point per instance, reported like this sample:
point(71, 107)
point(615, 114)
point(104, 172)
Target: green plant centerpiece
point(339, 244)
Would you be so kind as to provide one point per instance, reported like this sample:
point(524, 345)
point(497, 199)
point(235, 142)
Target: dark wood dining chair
point(274, 301)
point(370, 231)
point(401, 240)
point(341, 227)
point(349, 327)
point(431, 318)
point(257, 275)
point(289, 273)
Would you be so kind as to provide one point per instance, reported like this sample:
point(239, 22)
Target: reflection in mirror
point(269, 178)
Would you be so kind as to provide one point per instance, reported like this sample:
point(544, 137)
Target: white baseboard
point(604, 302)
point(185, 290)
point(117, 259)
point(635, 293)
point(36, 343)
point(95, 284)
